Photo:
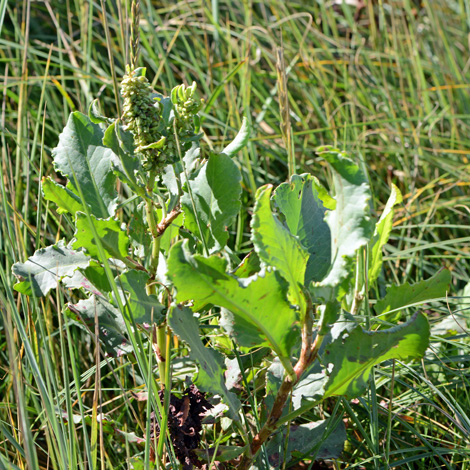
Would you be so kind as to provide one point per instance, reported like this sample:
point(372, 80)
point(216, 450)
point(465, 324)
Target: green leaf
point(216, 192)
point(47, 267)
point(258, 304)
point(458, 321)
point(350, 224)
point(141, 239)
point(114, 240)
point(249, 266)
point(406, 295)
point(92, 279)
point(210, 377)
point(311, 439)
point(311, 386)
point(353, 352)
point(126, 165)
point(95, 115)
point(382, 234)
point(66, 200)
point(112, 327)
point(224, 453)
point(96, 274)
point(303, 202)
point(277, 247)
point(138, 463)
point(81, 157)
point(143, 307)
point(240, 140)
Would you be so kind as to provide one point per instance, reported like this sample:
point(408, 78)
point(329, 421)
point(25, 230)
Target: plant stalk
point(309, 352)
point(159, 336)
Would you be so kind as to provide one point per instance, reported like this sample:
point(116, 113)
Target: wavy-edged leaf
point(353, 352)
point(42, 271)
point(304, 202)
point(114, 240)
point(382, 234)
point(406, 295)
point(216, 191)
point(240, 140)
point(82, 158)
point(259, 307)
point(66, 200)
point(277, 247)
point(210, 377)
point(350, 223)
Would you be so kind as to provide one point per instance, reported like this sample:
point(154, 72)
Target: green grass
point(388, 84)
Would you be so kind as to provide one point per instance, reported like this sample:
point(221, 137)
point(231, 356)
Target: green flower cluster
point(186, 109)
point(186, 120)
point(142, 116)
point(154, 130)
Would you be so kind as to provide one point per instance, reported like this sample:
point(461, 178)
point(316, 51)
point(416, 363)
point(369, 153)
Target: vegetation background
point(386, 80)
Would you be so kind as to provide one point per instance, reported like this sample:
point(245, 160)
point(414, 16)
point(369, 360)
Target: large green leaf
point(81, 156)
point(258, 304)
point(66, 200)
point(43, 270)
point(277, 247)
point(406, 295)
point(144, 308)
point(216, 191)
point(353, 352)
point(125, 165)
point(240, 140)
point(112, 327)
point(114, 240)
point(303, 202)
point(381, 234)
point(350, 223)
point(210, 377)
point(315, 438)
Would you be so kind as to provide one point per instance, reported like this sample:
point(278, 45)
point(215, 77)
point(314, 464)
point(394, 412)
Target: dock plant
point(159, 281)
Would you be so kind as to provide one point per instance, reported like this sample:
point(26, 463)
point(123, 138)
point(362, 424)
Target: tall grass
point(388, 83)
